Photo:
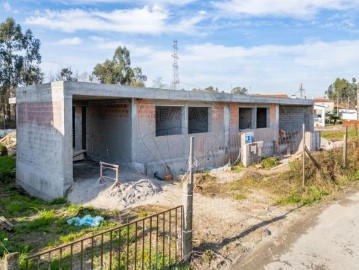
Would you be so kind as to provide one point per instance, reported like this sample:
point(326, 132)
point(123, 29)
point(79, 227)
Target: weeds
point(269, 163)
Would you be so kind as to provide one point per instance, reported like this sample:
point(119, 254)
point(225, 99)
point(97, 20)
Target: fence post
point(303, 180)
point(345, 145)
point(188, 208)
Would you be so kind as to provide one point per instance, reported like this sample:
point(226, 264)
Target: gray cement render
point(44, 157)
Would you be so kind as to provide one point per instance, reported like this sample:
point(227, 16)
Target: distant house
point(326, 103)
point(319, 115)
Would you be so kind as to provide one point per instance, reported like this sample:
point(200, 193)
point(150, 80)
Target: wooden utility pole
point(188, 208)
point(303, 180)
point(345, 145)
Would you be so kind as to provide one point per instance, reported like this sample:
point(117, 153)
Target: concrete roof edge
point(111, 90)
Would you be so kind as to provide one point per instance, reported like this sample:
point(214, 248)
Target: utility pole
point(301, 90)
point(188, 207)
point(358, 102)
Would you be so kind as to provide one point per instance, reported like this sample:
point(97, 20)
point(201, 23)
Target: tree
point(211, 89)
point(19, 61)
point(239, 91)
point(343, 91)
point(119, 71)
point(65, 74)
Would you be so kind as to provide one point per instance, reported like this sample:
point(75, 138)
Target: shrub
point(3, 150)
point(7, 169)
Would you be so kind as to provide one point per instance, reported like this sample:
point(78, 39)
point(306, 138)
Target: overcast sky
point(267, 46)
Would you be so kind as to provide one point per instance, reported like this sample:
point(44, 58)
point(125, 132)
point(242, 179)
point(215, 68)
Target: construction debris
point(7, 225)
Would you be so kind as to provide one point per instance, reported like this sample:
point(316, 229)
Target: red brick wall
point(111, 110)
point(217, 112)
point(146, 110)
point(45, 114)
point(234, 114)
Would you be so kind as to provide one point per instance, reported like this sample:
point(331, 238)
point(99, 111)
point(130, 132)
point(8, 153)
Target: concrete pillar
point(227, 124)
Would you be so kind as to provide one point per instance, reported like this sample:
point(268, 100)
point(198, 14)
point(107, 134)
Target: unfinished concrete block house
point(143, 128)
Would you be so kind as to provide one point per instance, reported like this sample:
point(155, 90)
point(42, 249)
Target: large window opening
point(245, 118)
point(168, 120)
point(262, 117)
point(197, 119)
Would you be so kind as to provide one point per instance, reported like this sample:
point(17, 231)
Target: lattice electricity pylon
point(175, 80)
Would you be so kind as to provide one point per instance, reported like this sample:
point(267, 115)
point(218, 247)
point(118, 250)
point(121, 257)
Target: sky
point(267, 46)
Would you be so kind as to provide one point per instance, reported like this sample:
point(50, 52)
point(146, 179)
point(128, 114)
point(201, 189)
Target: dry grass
point(286, 187)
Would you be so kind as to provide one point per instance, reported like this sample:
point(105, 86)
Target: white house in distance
point(326, 103)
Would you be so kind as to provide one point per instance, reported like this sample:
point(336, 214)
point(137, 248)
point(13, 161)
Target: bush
point(7, 169)
point(269, 163)
point(3, 150)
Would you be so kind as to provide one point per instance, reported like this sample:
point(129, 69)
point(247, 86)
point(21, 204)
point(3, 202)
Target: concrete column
point(78, 127)
point(134, 127)
point(67, 150)
point(226, 124)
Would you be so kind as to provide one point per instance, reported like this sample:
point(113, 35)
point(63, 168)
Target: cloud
point(70, 41)
point(7, 7)
point(303, 9)
point(147, 2)
point(146, 20)
point(268, 68)
point(262, 69)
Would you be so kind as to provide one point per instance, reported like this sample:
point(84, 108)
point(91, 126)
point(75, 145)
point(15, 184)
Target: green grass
point(338, 134)
point(40, 224)
point(269, 162)
point(239, 197)
point(238, 168)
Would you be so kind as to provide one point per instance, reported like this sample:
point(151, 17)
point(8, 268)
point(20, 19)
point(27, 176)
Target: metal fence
point(154, 242)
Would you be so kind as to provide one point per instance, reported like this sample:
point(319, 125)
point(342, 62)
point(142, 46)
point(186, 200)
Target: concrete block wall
point(173, 150)
point(41, 142)
point(108, 133)
point(292, 118)
point(78, 127)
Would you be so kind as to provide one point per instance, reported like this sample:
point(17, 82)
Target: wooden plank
point(7, 225)
point(316, 164)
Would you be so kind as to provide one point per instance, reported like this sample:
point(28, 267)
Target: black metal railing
point(153, 242)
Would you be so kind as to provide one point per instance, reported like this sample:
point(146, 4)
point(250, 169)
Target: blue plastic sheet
point(86, 221)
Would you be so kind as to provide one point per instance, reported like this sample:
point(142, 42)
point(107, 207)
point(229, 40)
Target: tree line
point(343, 91)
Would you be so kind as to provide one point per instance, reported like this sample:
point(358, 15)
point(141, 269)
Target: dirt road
point(326, 238)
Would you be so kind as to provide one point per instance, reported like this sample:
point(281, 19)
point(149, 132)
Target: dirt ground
point(324, 237)
point(224, 228)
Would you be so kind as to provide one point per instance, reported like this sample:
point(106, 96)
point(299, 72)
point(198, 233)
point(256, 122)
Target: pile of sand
point(128, 194)
point(9, 141)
